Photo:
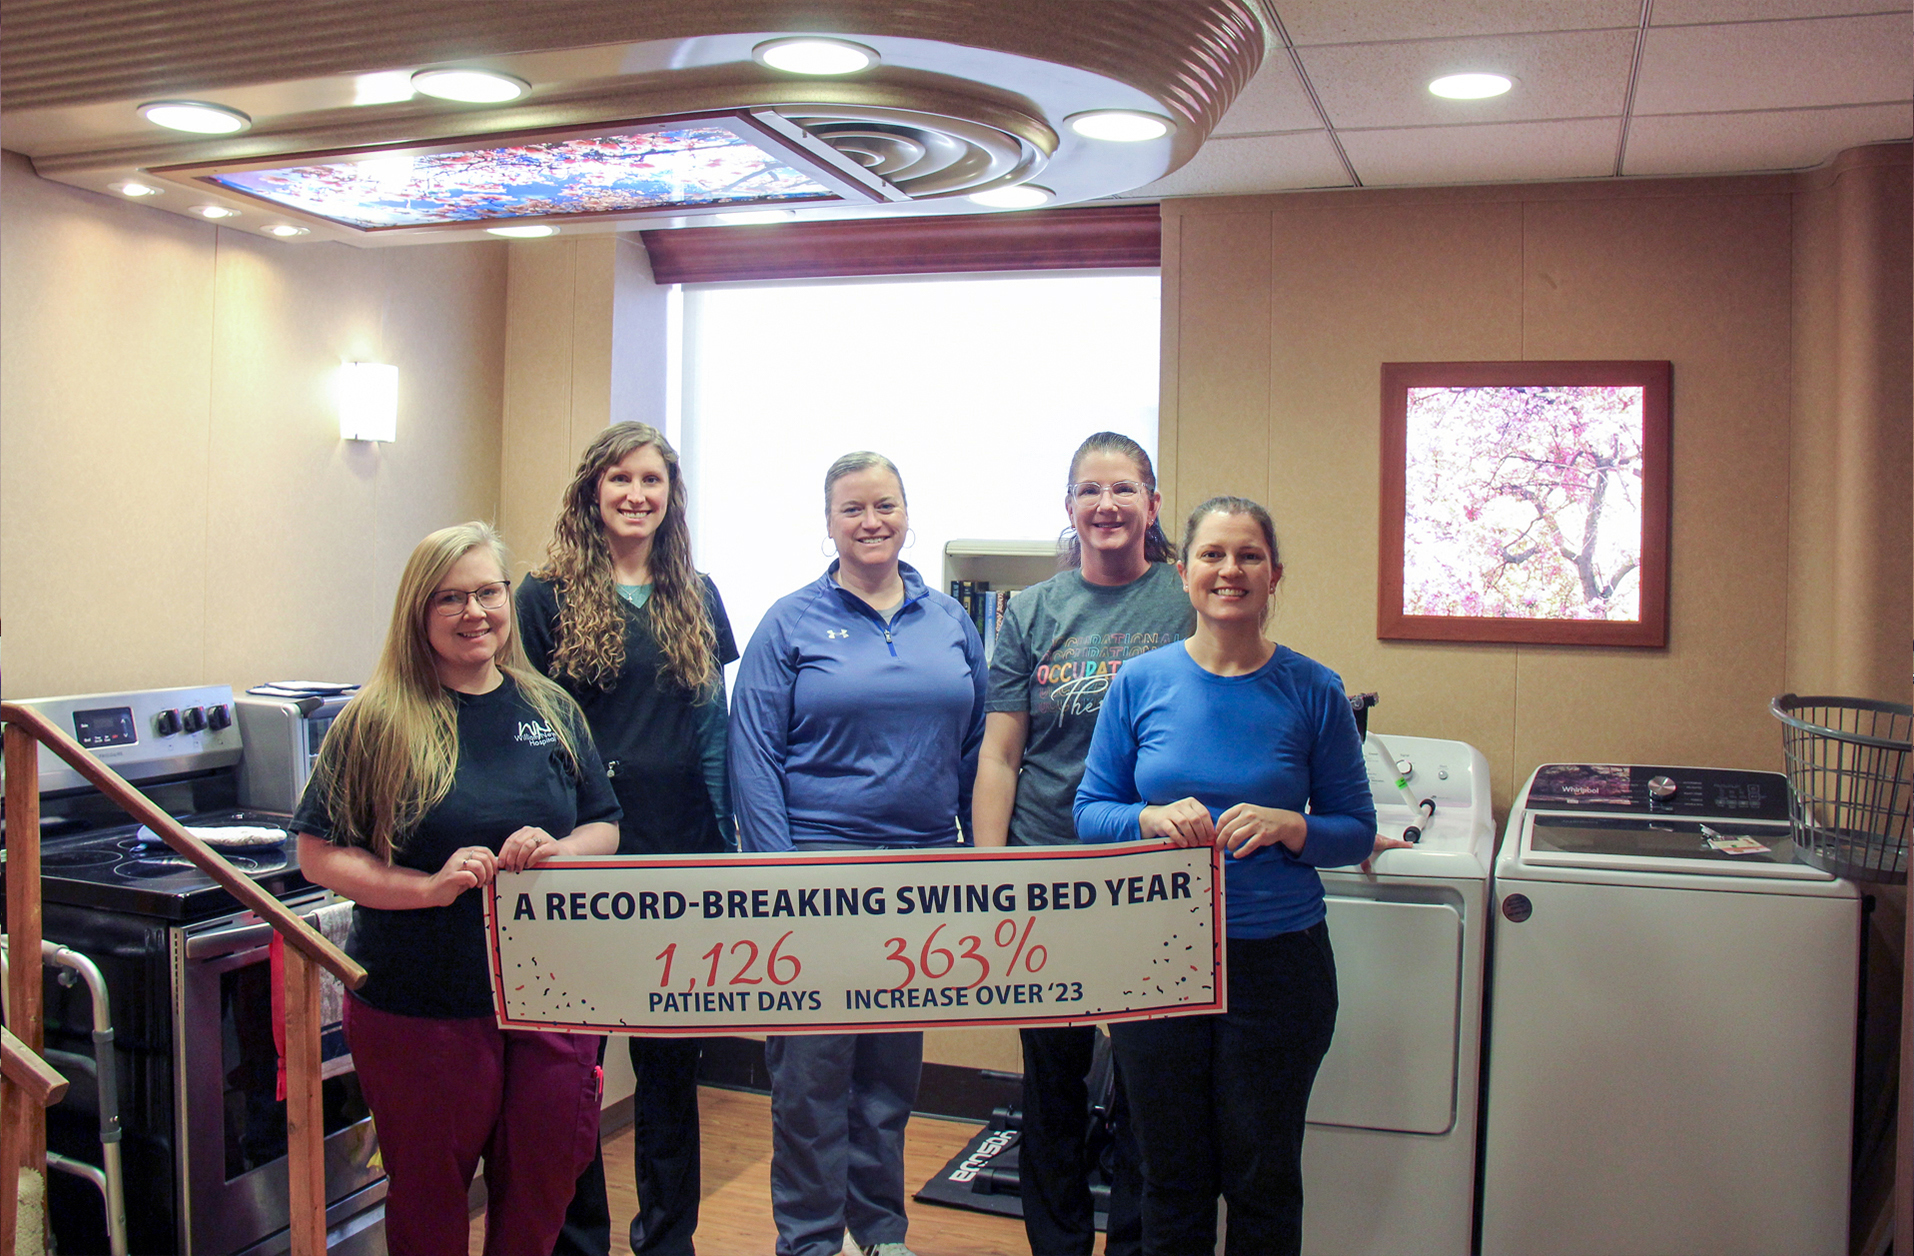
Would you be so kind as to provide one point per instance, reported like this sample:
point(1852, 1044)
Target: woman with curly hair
point(455, 761)
point(619, 617)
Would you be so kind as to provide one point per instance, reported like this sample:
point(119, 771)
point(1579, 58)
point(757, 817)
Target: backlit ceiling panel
point(709, 162)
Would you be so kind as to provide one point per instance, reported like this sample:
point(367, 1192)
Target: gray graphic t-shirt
point(1061, 644)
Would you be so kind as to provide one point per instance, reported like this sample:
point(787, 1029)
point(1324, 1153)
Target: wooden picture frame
point(1509, 494)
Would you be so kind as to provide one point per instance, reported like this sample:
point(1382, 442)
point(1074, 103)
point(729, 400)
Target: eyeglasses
point(1089, 492)
point(451, 602)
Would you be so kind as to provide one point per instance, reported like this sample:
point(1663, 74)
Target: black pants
point(665, 1154)
point(1053, 1156)
point(1218, 1102)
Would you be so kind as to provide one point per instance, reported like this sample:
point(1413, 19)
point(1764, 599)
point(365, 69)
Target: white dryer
point(1671, 1038)
point(1389, 1157)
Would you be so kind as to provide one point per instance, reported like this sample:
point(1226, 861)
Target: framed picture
point(1525, 502)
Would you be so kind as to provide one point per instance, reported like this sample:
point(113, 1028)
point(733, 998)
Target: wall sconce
point(368, 401)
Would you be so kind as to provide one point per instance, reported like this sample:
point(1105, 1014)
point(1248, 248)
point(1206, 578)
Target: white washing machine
point(1389, 1158)
point(1671, 1039)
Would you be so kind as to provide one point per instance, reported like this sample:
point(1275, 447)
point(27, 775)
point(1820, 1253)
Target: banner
point(845, 941)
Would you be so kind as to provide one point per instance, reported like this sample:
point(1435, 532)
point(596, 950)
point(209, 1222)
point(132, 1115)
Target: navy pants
point(1218, 1102)
point(1053, 1155)
point(839, 1103)
point(665, 1155)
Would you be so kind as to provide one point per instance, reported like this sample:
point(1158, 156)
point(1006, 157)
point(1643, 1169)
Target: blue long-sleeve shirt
point(848, 729)
point(1281, 736)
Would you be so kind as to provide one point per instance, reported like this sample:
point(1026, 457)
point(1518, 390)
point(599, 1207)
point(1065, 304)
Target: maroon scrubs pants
point(445, 1093)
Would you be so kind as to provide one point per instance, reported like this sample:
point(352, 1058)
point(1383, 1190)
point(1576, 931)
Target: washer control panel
point(1723, 792)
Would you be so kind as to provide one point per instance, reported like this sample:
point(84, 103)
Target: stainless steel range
point(190, 988)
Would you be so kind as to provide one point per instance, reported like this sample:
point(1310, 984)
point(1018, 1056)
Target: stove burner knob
point(1660, 788)
point(217, 717)
point(166, 723)
point(193, 719)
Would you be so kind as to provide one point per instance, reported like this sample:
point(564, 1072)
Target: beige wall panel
point(1355, 286)
point(641, 339)
point(1222, 388)
point(281, 602)
point(594, 306)
point(445, 328)
point(1705, 282)
point(535, 442)
point(1811, 460)
point(105, 339)
point(189, 371)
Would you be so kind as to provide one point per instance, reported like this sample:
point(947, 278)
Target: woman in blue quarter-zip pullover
point(855, 723)
point(1233, 739)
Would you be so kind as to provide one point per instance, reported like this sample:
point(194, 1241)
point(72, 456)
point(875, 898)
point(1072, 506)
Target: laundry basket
point(1848, 789)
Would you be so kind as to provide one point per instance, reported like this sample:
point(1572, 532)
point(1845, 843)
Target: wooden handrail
point(23, 1067)
point(297, 933)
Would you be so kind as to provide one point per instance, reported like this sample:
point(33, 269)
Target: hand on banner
point(466, 868)
point(526, 848)
point(1382, 844)
point(1247, 827)
point(1185, 822)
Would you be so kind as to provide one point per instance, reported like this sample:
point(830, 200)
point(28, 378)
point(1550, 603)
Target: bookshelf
point(1005, 564)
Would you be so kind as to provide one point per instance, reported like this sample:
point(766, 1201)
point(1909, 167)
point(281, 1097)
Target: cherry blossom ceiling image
point(705, 164)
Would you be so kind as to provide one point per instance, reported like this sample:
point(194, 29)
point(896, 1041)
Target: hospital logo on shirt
point(535, 733)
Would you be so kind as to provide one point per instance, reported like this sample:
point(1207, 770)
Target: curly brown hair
point(590, 648)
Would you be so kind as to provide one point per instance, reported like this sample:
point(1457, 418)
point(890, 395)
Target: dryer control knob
point(166, 723)
point(1661, 788)
point(192, 719)
point(217, 717)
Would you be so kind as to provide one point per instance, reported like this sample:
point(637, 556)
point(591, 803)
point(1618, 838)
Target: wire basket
point(1848, 789)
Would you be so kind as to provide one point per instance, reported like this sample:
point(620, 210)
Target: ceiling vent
point(922, 155)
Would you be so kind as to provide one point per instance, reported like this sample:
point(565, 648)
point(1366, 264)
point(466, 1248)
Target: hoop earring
point(826, 547)
point(910, 537)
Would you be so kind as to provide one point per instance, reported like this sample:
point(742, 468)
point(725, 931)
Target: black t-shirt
point(646, 725)
point(512, 772)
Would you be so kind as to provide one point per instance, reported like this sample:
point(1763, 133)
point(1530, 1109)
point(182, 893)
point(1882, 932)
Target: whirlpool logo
point(987, 1151)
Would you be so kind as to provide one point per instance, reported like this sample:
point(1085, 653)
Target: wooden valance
point(1092, 237)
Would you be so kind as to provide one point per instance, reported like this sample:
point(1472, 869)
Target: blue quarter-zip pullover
point(846, 729)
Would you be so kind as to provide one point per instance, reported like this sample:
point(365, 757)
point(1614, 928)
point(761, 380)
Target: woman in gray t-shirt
point(1061, 643)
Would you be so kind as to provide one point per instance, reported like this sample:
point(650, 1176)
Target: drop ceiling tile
point(1691, 12)
point(1580, 75)
point(1262, 163)
point(1339, 21)
point(1273, 101)
point(1776, 65)
point(1735, 143)
point(1497, 152)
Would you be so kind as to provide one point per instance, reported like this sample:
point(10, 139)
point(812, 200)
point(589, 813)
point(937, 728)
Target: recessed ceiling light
point(529, 232)
point(133, 188)
point(480, 87)
point(196, 116)
point(811, 55)
point(1123, 126)
point(382, 88)
point(215, 211)
point(283, 231)
point(747, 217)
point(1020, 196)
point(1471, 86)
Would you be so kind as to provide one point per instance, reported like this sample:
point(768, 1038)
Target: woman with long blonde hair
point(621, 619)
point(455, 761)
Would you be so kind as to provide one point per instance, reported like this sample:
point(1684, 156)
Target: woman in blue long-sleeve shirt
point(1231, 738)
point(855, 723)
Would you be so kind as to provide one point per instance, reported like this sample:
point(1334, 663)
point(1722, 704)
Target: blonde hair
point(391, 755)
point(590, 646)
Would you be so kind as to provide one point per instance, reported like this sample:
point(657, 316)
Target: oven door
point(231, 1122)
